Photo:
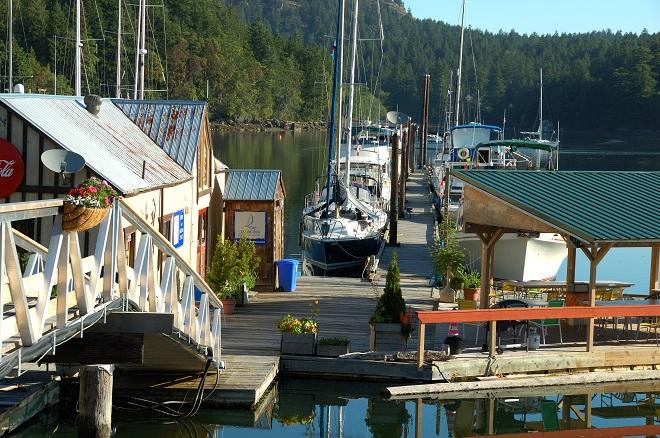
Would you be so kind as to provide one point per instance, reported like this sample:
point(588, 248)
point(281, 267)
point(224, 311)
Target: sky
point(544, 16)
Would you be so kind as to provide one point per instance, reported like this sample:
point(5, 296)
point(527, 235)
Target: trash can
point(287, 274)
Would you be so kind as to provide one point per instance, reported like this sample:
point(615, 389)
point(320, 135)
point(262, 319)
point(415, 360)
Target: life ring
point(463, 153)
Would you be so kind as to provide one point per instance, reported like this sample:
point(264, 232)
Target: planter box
point(298, 344)
point(332, 350)
point(387, 337)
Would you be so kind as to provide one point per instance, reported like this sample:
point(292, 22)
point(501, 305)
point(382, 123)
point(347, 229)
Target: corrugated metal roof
point(174, 125)
point(251, 185)
point(592, 206)
point(112, 145)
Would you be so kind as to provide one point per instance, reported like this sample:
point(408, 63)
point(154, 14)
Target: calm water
point(343, 409)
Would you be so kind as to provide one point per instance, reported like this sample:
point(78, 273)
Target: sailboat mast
point(460, 65)
point(351, 95)
point(541, 109)
point(340, 97)
point(333, 107)
point(143, 48)
point(78, 51)
point(11, 45)
point(138, 48)
point(118, 79)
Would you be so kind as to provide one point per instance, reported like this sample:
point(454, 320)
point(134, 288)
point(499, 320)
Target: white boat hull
point(519, 258)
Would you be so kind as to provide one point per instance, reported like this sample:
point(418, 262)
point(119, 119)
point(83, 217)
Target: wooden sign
point(251, 224)
point(11, 168)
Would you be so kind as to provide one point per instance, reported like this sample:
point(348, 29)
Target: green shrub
point(334, 341)
point(233, 264)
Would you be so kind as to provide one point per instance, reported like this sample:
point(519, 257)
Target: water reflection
point(346, 409)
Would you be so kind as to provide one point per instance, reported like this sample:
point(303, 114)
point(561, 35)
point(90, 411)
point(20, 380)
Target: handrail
point(164, 245)
point(604, 432)
point(525, 313)
point(30, 205)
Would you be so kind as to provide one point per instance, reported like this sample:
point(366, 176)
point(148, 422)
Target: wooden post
point(655, 262)
point(587, 410)
point(488, 241)
point(418, 418)
point(395, 191)
point(409, 136)
point(595, 255)
point(425, 117)
point(95, 401)
point(402, 172)
point(420, 346)
point(492, 342)
point(570, 263)
point(413, 141)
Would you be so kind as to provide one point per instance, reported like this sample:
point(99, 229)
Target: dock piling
point(95, 401)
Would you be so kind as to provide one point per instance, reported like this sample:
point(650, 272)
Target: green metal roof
point(251, 185)
point(591, 206)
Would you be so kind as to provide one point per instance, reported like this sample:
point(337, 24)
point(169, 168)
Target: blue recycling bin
point(287, 273)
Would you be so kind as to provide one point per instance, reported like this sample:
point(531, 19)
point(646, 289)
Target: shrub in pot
point(471, 285)
point(333, 347)
point(298, 335)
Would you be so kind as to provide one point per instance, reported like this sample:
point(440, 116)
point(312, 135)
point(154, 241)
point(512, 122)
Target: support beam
point(95, 401)
point(492, 341)
point(488, 241)
point(595, 254)
point(420, 348)
point(655, 267)
point(570, 263)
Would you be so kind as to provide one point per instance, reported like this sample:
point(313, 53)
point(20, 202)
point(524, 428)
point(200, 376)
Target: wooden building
point(156, 154)
point(254, 206)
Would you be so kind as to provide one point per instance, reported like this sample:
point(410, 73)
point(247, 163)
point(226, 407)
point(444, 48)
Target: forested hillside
point(270, 58)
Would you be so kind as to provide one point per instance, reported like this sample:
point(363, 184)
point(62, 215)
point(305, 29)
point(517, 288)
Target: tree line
point(271, 59)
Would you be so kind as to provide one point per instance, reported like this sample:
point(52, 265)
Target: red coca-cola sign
point(11, 168)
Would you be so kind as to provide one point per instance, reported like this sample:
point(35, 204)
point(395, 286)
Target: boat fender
point(463, 153)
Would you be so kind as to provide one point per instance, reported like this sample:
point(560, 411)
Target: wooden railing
point(85, 285)
point(524, 314)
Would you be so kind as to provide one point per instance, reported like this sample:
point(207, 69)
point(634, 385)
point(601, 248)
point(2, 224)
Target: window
point(204, 157)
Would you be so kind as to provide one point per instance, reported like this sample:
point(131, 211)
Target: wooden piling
point(425, 122)
point(95, 401)
point(403, 171)
point(395, 191)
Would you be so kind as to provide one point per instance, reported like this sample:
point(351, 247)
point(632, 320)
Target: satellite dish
point(61, 161)
point(397, 118)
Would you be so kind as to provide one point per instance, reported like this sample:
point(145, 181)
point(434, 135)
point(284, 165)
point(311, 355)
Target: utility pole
point(11, 46)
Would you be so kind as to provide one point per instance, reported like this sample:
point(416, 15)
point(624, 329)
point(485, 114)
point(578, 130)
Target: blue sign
point(177, 229)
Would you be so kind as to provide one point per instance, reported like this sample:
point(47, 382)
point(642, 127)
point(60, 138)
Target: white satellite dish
point(397, 118)
point(62, 162)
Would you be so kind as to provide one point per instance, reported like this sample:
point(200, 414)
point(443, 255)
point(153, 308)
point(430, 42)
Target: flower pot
point(304, 343)
point(332, 350)
point(471, 293)
point(228, 306)
point(455, 344)
point(387, 337)
point(81, 218)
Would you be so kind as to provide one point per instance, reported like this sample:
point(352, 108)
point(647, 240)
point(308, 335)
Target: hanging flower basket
point(87, 205)
point(80, 218)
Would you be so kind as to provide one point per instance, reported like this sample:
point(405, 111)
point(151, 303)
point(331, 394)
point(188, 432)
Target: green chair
point(544, 324)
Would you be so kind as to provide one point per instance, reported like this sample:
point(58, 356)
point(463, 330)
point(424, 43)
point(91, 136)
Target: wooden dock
point(415, 233)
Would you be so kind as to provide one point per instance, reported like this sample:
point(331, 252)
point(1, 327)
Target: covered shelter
point(254, 207)
point(592, 210)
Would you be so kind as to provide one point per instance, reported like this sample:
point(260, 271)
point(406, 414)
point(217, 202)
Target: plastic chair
point(544, 324)
point(549, 415)
point(508, 290)
point(469, 305)
point(653, 323)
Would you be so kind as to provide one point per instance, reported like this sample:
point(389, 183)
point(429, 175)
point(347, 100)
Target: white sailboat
point(340, 229)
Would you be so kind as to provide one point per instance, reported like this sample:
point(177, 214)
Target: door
point(202, 228)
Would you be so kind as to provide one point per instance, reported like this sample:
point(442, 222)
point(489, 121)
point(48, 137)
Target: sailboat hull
point(338, 257)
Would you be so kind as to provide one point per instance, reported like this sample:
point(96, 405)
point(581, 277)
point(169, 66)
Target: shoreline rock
point(266, 125)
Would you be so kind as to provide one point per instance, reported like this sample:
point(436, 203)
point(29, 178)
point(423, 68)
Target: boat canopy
point(517, 143)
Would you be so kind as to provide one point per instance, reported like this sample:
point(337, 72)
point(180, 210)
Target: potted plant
point(298, 335)
point(233, 270)
point(391, 323)
point(471, 285)
point(448, 258)
point(333, 347)
point(87, 205)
